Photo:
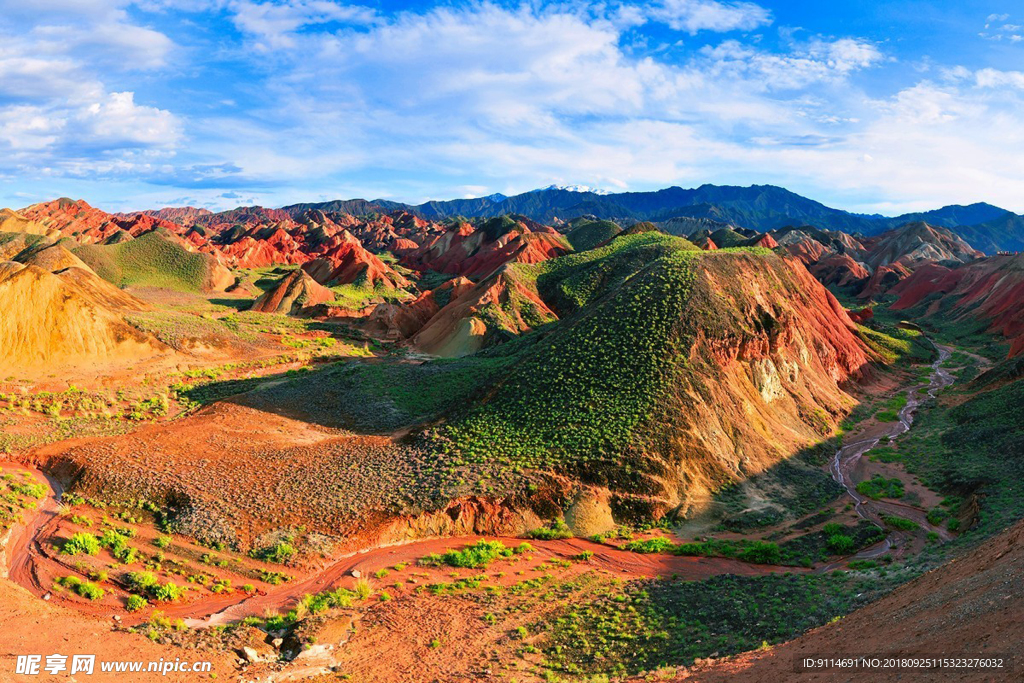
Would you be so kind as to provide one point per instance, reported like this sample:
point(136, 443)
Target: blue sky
point(870, 106)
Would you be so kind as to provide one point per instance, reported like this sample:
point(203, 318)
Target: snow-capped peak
point(574, 188)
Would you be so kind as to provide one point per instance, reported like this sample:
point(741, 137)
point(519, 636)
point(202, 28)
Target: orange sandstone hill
point(294, 294)
point(63, 319)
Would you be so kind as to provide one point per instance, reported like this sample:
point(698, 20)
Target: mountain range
point(759, 207)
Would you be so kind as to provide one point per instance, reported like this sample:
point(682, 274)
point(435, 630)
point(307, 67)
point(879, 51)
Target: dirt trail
point(846, 458)
point(29, 565)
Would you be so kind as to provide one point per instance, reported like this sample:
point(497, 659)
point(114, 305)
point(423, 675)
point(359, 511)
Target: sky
point(884, 107)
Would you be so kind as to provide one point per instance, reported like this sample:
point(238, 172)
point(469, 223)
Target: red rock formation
point(185, 216)
point(501, 302)
point(917, 242)
point(465, 250)
point(989, 289)
point(401, 321)
point(840, 270)
point(861, 316)
point(768, 242)
point(346, 262)
point(295, 292)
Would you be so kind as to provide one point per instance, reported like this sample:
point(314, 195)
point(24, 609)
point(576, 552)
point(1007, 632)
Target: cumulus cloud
point(57, 113)
point(471, 97)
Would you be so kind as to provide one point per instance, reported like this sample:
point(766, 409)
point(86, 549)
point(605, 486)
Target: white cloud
point(118, 121)
point(994, 78)
point(274, 22)
point(710, 15)
point(818, 61)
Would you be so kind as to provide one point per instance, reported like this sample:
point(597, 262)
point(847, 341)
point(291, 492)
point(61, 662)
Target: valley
point(309, 444)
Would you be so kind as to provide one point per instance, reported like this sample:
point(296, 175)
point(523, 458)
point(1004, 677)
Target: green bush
point(135, 603)
point(658, 544)
point(761, 552)
point(167, 592)
point(879, 487)
point(840, 544)
point(281, 552)
point(81, 543)
point(83, 588)
point(899, 523)
point(557, 529)
point(476, 556)
point(141, 581)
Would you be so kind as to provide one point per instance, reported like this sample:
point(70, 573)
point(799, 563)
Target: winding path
point(31, 567)
point(847, 457)
point(25, 557)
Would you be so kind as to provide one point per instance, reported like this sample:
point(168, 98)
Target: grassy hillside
point(583, 390)
point(152, 260)
point(587, 234)
point(973, 453)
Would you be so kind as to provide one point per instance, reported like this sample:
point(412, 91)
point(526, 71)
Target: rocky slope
point(967, 607)
point(872, 266)
point(295, 294)
point(60, 319)
point(987, 292)
point(669, 373)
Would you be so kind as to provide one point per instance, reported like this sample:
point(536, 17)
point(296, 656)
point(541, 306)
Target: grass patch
point(647, 625)
point(879, 487)
point(475, 556)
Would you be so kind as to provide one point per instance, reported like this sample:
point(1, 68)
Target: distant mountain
point(1005, 233)
point(574, 188)
point(758, 207)
point(951, 216)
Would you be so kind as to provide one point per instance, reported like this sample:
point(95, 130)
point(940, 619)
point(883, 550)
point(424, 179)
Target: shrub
point(761, 552)
point(557, 529)
point(136, 603)
point(319, 602)
point(141, 581)
point(899, 523)
point(475, 556)
point(118, 545)
point(161, 541)
point(273, 578)
point(279, 553)
point(862, 565)
point(880, 487)
point(83, 588)
point(81, 543)
point(658, 544)
point(167, 592)
point(840, 544)
point(363, 589)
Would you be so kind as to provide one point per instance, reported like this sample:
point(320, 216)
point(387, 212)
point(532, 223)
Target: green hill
point(587, 234)
point(154, 259)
